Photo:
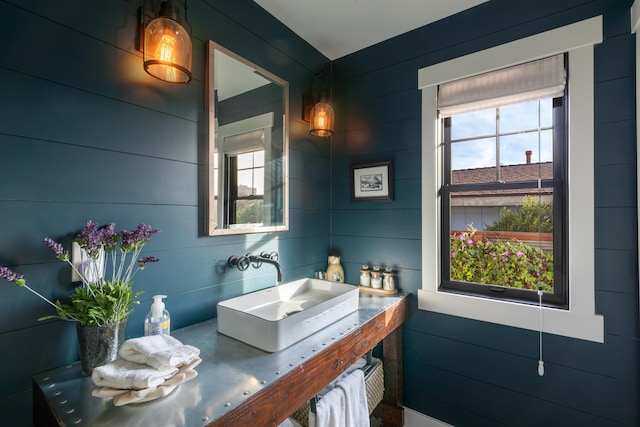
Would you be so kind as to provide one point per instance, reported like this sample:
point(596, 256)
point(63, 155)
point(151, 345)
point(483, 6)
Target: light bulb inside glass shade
point(321, 123)
point(167, 51)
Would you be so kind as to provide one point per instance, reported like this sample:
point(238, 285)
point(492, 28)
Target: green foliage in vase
point(99, 304)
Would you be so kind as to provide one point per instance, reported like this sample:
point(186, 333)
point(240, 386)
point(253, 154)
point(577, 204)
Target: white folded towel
point(124, 374)
point(357, 410)
point(123, 397)
point(330, 410)
point(159, 351)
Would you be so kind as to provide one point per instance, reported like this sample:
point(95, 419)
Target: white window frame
point(580, 320)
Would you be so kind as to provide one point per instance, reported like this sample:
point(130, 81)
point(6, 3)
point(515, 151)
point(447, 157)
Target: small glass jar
point(365, 276)
point(376, 278)
point(388, 282)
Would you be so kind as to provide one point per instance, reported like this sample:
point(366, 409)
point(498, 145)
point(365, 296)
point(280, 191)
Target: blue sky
point(513, 118)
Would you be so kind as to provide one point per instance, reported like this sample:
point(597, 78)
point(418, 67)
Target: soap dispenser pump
point(157, 321)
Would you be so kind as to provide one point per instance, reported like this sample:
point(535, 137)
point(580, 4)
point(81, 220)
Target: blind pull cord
point(540, 362)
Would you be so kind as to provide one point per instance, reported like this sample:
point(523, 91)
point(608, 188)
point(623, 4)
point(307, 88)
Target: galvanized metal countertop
point(230, 374)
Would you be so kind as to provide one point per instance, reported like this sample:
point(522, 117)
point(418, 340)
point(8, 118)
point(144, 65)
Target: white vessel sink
point(275, 318)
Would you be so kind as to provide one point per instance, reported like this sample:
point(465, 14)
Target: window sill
point(570, 323)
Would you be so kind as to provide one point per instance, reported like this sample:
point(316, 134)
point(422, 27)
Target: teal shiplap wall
point(471, 373)
point(85, 133)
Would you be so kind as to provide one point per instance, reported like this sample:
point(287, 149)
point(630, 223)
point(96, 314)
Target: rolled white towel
point(159, 351)
point(125, 374)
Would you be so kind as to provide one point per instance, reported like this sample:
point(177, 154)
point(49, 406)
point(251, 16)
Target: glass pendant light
point(167, 46)
point(321, 119)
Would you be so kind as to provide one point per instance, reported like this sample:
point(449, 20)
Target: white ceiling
point(340, 27)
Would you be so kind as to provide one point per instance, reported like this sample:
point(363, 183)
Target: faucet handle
point(273, 256)
point(242, 263)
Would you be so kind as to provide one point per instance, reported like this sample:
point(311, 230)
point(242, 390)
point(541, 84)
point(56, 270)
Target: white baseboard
point(416, 419)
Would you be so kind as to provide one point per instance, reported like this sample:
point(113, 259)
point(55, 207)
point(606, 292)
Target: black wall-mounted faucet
point(243, 262)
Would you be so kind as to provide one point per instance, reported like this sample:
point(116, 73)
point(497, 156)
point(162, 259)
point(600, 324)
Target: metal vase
point(99, 345)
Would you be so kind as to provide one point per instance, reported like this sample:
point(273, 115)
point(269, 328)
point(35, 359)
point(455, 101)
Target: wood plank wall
point(465, 372)
point(85, 133)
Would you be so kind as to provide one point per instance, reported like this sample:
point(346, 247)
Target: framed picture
point(372, 182)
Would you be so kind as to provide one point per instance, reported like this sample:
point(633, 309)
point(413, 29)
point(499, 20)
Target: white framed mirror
point(247, 188)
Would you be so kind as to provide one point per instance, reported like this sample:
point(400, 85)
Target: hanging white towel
point(159, 351)
point(330, 410)
point(360, 363)
point(356, 409)
point(125, 374)
point(289, 422)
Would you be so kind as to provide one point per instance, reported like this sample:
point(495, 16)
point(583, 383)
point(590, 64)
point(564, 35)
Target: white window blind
point(244, 142)
point(543, 78)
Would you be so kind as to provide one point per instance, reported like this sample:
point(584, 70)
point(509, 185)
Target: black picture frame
point(372, 182)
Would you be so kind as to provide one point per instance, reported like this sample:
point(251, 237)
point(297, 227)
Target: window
point(246, 187)
point(579, 320)
point(504, 144)
point(243, 197)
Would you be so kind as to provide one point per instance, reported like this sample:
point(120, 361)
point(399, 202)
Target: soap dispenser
point(157, 321)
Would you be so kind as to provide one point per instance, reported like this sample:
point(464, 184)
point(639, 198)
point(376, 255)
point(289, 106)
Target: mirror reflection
point(248, 146)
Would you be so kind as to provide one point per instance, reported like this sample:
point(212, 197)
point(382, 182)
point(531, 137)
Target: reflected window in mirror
point(248, 146)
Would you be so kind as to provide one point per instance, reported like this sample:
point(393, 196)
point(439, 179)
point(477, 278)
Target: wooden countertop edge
point(273, 404)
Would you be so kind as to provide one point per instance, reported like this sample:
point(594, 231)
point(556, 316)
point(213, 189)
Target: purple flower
point(11, 276)
point(453, 254)
point(142, 262)
point(57, 248)
point(461, 237)
point(108, 237)
point(90, 239)
point(506, 260)
point(135, 238)
point(519, 254)
point(470, 242)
